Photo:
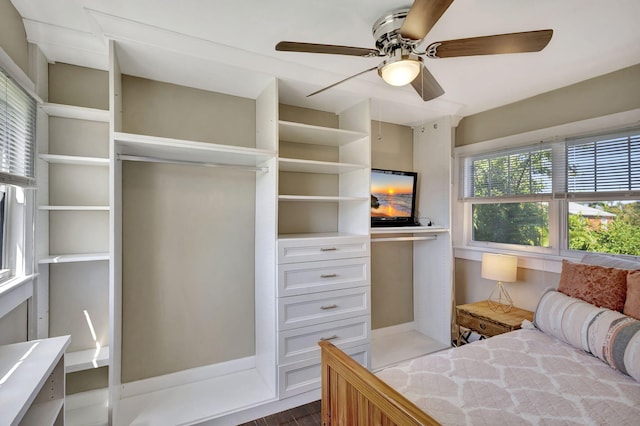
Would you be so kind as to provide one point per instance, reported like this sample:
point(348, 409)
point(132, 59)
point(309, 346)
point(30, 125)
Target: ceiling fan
point(398, 35)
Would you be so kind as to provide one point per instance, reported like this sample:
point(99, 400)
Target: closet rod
point(190, 163)
point(381, 240)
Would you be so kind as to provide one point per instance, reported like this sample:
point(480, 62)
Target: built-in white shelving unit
point(73, 232)
point(33, 382)
point(432, 256)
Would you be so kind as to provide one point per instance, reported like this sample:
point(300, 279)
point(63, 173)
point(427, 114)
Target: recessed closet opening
point(188, 267)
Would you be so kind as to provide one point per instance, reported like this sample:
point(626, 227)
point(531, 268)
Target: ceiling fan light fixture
point(400, 70)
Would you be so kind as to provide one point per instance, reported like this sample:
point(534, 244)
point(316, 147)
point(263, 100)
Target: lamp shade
point(400, 72)
point(499, 267)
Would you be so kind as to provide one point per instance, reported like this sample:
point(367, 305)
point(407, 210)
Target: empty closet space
point(391, 262)
point(187, 234)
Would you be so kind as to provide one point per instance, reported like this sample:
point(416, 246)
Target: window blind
point(17, 133)
point(603, 164)
point(512, 173)
point(586, 168)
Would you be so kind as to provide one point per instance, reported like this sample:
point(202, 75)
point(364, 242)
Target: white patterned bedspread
point(519, 378)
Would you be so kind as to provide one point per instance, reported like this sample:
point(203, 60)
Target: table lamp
point(502, 268)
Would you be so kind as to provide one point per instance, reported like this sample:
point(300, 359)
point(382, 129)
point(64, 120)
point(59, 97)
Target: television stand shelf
point(426, 233)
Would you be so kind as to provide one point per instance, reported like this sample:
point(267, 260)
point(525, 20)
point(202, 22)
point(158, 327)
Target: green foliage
point(621, 236)
point(512, 223)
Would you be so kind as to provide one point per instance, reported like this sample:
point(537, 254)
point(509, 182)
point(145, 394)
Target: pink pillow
point(632, 304)
point(598, 285)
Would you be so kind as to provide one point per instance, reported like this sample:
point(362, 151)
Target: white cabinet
point(33, 382)
point(323, 246)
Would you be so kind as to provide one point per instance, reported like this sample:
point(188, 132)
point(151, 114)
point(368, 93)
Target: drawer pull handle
point(483, 325)
point(335, 336)
point(328, 249)
point(324, 308)
point(328, 275)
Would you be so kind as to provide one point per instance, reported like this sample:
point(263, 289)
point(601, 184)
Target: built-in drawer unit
point(301, 343)
point(310, 277)
point(305, 375)
point(322, 248)
point(306, 310)
point(324, 293)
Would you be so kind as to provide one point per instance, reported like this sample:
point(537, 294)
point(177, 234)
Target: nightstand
point(480, 318)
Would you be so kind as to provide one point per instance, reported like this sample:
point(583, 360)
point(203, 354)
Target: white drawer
point(301, 343)
point(310, 277)
point(305, 375)
point(311, 309)
point(321, 248)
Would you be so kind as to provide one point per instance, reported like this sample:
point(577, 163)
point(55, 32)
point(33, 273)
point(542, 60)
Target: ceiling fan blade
point(422, 16)
point(529, 41)
point(293, 46)
point(341, 81)
point(426, 85)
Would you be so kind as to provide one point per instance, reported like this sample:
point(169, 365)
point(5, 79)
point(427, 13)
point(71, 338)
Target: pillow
point(565, 318)
point(609, 261)
point(601, 286)
point(615, 339)
point(632, 304)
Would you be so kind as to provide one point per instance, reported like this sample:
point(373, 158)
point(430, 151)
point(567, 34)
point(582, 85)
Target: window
point(576, 194)
point(17, 173)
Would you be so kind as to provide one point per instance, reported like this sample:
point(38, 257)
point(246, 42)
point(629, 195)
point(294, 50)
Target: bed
point(578, 363)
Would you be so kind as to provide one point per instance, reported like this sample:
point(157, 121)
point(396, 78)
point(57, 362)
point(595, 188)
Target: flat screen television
point(393, 198)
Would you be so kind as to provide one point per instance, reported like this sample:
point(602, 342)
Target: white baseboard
point(184, 377)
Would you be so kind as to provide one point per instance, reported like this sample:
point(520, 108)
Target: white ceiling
point(228, 46)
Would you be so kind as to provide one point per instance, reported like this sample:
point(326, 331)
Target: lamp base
point(499, 299)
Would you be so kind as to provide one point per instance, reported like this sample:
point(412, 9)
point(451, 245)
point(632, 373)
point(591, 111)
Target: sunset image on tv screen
point(391, 195)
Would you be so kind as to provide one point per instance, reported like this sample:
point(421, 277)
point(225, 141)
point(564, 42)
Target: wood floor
point(305, 415)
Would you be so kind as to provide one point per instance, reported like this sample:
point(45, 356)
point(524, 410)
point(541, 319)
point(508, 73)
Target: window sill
point(527, 260)
point(14, 292)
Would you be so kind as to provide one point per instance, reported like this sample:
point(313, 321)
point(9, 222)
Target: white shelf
point(69, 258)
point(74, 208)
point(86, 360)
point(43, 413)
point(409, 230)
point(80, 113)
point(311, 166)
point(24, 369)
point(189, 151)
point(320, 198)
point(316, 135)
point(74, 160)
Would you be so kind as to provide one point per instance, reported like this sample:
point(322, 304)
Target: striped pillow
point(565, 318)
point(621, 348)
point(609, 335)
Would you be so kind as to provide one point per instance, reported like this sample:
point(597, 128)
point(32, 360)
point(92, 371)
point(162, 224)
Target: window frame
point(17, 181)
point(541, 258)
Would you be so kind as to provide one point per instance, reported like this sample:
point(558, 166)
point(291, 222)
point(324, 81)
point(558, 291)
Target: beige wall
point(167, 110)
point(79, 86)
point(13, 326)
point(470, 287)
point(188, 236)
point(611, 93)
point(391, 262)
point(13, 38)
point(608, 94)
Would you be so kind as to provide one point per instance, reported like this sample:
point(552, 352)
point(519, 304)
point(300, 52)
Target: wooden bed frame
point(352, 395)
